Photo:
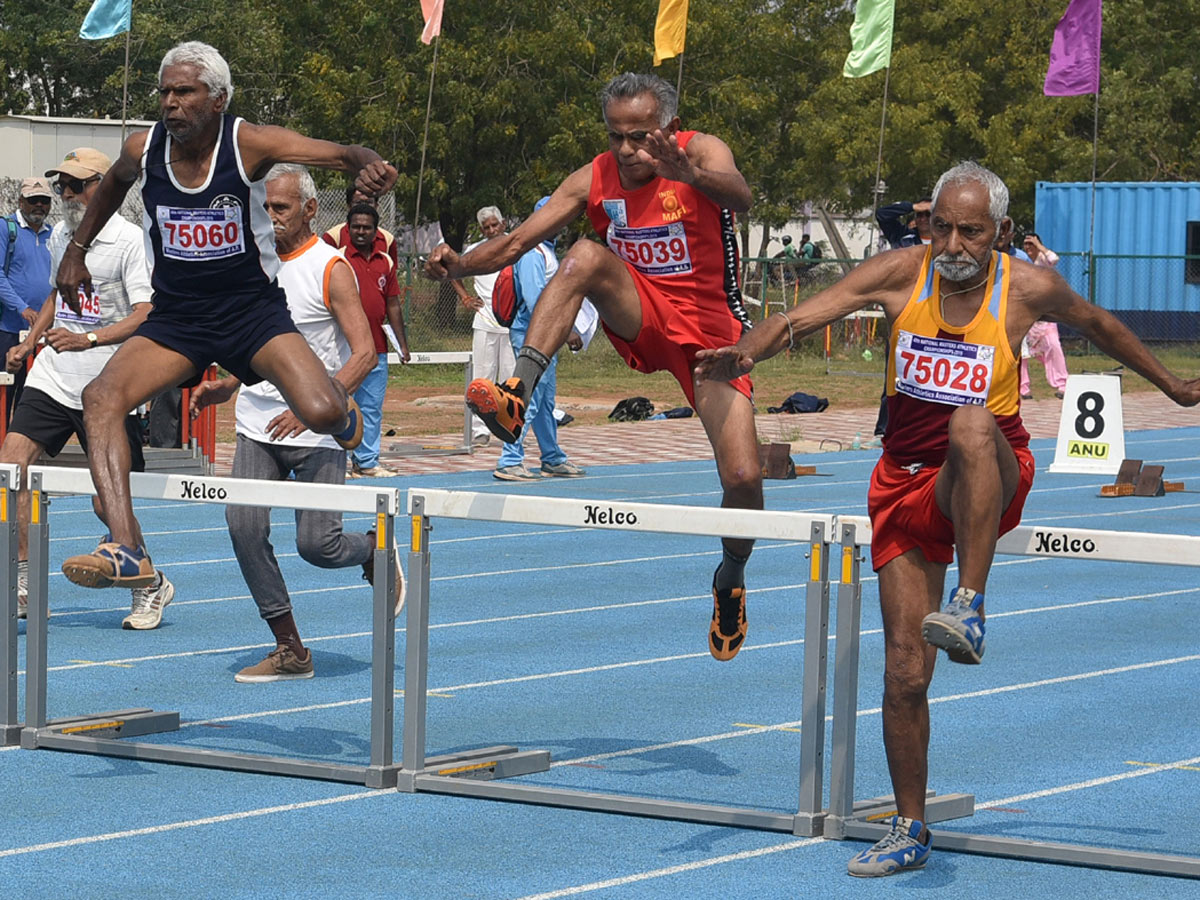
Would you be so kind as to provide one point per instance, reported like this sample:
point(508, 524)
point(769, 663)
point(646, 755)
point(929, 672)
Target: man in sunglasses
point(24, 268)
point(77, 345)
point(216, 299)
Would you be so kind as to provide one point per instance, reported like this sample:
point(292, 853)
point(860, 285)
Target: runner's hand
point(440, 262)
point(376, 178)
point(722, 364)
point(663, 153)
point(211, 393)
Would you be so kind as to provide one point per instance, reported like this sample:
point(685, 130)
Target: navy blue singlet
point(212, 241)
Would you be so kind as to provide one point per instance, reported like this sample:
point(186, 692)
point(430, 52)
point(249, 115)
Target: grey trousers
point(319, 536)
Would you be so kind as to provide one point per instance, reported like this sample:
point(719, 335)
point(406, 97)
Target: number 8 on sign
point(1091, 432)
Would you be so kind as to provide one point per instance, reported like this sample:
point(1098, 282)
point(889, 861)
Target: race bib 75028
point(196, 235)
point(956, 373)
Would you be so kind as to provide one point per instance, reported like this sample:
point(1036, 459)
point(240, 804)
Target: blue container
point(1140, 241)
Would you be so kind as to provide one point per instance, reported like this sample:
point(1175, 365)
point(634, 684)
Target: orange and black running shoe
point(499, 406)
point(727, 632)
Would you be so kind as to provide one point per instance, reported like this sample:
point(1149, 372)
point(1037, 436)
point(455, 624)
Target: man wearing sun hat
point(24, 267)
point(77, 345)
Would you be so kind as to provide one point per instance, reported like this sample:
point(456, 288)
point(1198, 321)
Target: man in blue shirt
point(531, 272)
point(24, 268)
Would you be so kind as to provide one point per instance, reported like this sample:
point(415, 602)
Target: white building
point(29, 145)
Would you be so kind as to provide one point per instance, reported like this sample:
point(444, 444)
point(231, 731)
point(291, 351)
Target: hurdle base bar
point(938, 808)
point(482, 764)
point(124, 723)
point(368, 776)
point(1044, 851)
point(622, 804)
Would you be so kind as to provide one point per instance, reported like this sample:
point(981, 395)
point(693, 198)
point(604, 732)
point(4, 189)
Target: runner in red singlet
point(665, 283)
point(956, 465)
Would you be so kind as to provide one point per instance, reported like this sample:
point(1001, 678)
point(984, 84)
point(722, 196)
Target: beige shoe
point(148, 604)
point(281, 664)
point(369, 576)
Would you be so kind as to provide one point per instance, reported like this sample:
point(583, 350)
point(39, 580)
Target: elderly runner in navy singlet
point(215, 297)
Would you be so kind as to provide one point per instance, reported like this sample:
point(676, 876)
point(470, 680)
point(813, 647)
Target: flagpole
point(875, 192)
point(424, 145)
point(1092, 222)
point(679, 78)
point(125, 87)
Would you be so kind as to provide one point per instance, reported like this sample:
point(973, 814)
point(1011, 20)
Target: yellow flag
point(670, 29)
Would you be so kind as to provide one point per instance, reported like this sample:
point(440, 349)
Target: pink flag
point(1075, 52)
point(432, 11)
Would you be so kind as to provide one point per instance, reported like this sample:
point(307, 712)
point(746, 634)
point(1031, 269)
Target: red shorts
point(670, 337)
point(904, 512)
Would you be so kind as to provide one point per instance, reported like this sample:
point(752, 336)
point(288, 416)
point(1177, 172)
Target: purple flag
point(1075, 52)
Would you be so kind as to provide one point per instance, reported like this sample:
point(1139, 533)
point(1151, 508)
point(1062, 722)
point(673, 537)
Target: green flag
point(870, 38)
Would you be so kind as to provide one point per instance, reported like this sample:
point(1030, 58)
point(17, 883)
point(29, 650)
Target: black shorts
point(227, 330)
point(45, 421)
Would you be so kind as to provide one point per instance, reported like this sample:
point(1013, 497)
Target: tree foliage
point(515, 103)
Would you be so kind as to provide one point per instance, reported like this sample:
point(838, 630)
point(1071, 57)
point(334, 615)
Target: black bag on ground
point(801, 402)
point(632, 409)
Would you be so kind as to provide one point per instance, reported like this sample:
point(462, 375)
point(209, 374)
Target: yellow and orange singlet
point(934, 368)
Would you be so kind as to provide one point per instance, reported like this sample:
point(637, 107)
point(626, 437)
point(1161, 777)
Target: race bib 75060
point(655, 250)
point(956, 373)
point(196, 235)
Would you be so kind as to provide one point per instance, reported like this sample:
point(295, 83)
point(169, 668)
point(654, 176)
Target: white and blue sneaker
point(958, 628)
point(900, 850)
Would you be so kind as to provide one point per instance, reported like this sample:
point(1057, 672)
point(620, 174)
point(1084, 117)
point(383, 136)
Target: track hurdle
point(107, 734)
point(860, 821)
point(464, 359)
point(421, 773)
point(10, 725)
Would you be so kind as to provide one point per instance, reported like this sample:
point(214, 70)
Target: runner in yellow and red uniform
point(665, 285)
point(956, 466)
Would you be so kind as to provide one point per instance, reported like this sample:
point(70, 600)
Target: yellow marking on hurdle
point(37, 502)
point(773, 728)
point(92, 662)
point(815, 571)
point(93, 726)
point(3, 504)
point(472, 768)
point(418, 527)
point(1134, 762)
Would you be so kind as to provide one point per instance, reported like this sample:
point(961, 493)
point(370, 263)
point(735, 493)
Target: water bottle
point(856, 444)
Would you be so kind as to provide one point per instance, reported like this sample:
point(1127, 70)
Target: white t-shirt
point(120, 278)
point(484, 320)
point(304, 275)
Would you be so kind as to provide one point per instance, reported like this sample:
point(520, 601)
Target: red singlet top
point(935, 368)
point(679, 239)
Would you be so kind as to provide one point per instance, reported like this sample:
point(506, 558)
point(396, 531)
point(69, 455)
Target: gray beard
point(957, 270)
point(73, 212)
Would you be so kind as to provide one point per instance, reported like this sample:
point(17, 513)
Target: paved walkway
point(674, 439)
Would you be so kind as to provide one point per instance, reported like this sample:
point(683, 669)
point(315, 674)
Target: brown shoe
point(281, 664)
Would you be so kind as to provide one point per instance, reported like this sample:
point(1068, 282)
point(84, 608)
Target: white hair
point(214, 71)
point(629, 85)
point(304, 182)
point(489, 212)
point(966, 172)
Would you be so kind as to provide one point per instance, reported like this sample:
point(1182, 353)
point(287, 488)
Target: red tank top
point(676, 237)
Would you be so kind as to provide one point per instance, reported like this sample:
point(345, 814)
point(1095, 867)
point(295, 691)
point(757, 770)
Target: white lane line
point(1092, 782)
point(1157, 509)
point(193, 823)
point(809, 842)
point(673, 870)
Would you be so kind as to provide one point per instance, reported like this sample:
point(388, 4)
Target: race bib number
point(89, 309)
point(952, 372)
point(196, 235)
point(656, 250)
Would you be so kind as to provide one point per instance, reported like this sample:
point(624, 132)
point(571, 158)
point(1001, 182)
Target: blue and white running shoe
point(958, 628)
point(898, 851)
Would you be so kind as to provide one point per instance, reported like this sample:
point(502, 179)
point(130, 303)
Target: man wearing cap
point(24, 268)
point(78, 344)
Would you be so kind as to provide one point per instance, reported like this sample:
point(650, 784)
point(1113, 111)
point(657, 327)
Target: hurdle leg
point(381, 773)
point(37, 614)
point(416, 649)
point(845, 686)
point(809, 813)
point(10, 727)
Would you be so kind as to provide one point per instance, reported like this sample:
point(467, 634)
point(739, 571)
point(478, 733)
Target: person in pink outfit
point(1042, 340)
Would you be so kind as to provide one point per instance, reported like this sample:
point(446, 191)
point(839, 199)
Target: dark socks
point(531, 366)
point(287, 634)
point(730, 572)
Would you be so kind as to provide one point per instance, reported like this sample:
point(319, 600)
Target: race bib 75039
point(655, 250)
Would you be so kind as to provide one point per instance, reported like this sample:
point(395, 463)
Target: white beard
point(957, 269)
point(73, 212)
